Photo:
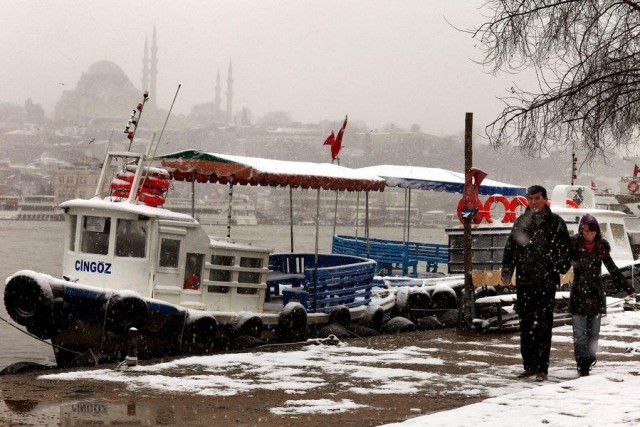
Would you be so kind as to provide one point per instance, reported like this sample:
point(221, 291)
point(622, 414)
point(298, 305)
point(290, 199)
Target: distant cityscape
point(60, 156)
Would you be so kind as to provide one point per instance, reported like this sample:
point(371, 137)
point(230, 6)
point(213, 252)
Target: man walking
point(538, 248)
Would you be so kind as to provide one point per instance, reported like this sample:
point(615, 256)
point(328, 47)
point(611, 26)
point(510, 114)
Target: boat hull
point(89, 325)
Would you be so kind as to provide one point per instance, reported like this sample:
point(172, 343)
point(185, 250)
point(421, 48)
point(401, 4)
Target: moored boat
point(140, 278)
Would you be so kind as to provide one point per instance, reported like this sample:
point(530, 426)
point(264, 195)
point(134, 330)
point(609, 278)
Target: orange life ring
point(150, 181)
point(490, 201)
point(151, 199)
point(150, 171)
point(572, 203)
point(121, 187)
point(516, 202)
point(633, 186)
point(477, 219)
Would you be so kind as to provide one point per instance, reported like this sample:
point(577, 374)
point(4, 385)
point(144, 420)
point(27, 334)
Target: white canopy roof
point(436, 179)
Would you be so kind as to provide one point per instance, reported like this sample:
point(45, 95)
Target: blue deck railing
point(337, 280)
point(391, 254)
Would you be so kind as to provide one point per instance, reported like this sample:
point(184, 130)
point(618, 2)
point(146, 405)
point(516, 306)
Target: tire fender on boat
point(417, 303)
point(245, 323)
point(199, 332)
point(125, 311)
point(341, 315)
point(444, 299)
point(397, 325)
point(30, 303)
point(373, 317)
point(292, 323)
point(486, 291)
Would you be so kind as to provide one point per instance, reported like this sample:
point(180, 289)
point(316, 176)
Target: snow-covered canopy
point(189, 165)
point(437, 180)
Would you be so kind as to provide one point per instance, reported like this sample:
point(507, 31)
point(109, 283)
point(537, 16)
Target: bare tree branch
point(586, 55)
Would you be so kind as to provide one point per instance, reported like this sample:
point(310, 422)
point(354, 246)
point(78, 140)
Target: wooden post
point(468, 308)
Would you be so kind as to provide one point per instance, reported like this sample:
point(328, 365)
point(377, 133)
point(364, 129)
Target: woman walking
point(587, 302)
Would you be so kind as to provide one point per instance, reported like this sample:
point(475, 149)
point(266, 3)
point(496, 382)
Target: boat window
point(222, 260)
point(619, 235)
point(131, 238)
point(169, 253)
point(247, 291)
point(219, 275)
point(72, 232)
point(251, 262)
point(95, 235)
point(218, 289)
point(193, 271)
point(247, 277)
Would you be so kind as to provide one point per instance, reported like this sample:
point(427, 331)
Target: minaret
point(153, 95)
point(145, 67)
point(216, 102)
point(230, 94)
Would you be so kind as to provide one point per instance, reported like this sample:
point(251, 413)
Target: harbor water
point(37, 246)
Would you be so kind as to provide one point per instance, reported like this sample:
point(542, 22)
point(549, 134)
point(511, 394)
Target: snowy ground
point(439, 367)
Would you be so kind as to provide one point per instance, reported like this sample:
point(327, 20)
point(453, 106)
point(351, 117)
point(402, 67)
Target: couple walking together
point(540, 249)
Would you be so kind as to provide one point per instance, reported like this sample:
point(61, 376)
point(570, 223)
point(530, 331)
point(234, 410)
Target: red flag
point(593, 185)
point(336, 141)
point(636, 170)
point(330, 139)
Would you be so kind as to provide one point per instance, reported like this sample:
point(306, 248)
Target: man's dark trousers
point(535, 309)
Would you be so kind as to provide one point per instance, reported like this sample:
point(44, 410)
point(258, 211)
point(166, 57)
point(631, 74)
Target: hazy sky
point(378, 61)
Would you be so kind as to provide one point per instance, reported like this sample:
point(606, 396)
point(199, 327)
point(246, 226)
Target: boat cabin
point(161, 254)
point(127, 241)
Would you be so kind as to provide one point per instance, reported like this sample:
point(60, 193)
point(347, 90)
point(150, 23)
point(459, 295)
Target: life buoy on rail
point(495, 199)
point(150, 181)
point(151, 199)
point(516, 202)
point(477, 219)
point(633, 186)
point(572, 203)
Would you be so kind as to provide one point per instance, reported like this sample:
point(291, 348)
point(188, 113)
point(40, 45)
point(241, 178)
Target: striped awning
point(200, 166)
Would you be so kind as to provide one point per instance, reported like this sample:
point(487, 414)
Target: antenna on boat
point(167, 119)
point(134, 119)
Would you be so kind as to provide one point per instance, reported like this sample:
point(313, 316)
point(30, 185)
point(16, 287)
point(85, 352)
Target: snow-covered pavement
point(348, 378)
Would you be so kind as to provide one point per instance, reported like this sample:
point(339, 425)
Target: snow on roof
point(214, 167)
point(437, 179)
point(124, 206)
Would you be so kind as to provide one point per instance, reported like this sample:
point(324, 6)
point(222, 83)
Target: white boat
point(29, 208)
point(489, 236)
point(9, 207)
point(144, 281)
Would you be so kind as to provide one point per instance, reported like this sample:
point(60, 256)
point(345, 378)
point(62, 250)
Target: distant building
point(102, 94)
point(75, 182)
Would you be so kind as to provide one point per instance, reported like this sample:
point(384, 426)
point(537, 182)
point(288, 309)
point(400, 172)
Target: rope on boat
point(38, 338)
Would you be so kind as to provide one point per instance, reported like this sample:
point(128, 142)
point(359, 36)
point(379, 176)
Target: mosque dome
point(103, 92)
point(106, 68)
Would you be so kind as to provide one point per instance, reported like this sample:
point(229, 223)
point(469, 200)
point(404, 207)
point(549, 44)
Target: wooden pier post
point(468, 296)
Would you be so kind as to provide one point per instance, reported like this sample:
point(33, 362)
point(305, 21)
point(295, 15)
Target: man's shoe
point(526, 373)
point(541, 376)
